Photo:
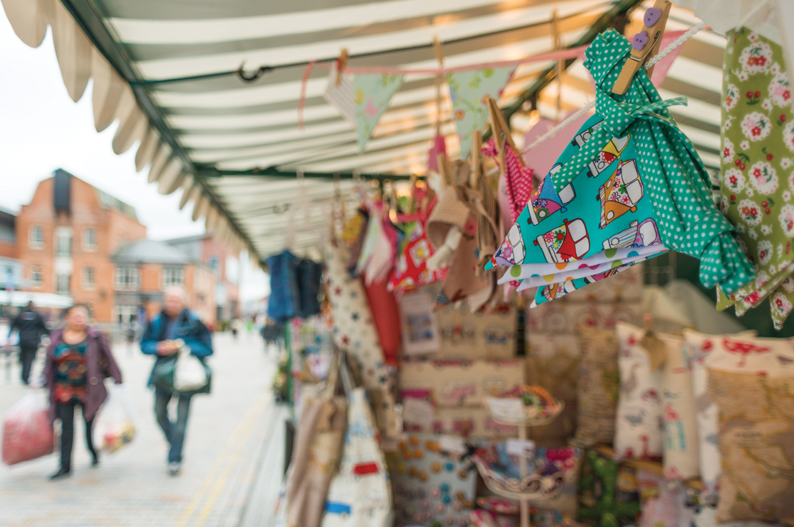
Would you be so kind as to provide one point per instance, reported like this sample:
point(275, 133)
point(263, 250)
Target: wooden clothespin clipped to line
point(645, 45)
point(501, 133)
point(555, 35)
point(652, 344)
point(341, 64)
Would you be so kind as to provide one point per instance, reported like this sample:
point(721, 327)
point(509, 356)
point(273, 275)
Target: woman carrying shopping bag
point(78, 360)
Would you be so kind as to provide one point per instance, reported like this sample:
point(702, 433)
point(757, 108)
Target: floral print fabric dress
point(757, 172)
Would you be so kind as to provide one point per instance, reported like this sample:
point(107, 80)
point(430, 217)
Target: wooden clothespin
point(555, 35)
point(443, 168)
point(645, 44)
point(476, 166)
point(341, 64)
point(501, 131)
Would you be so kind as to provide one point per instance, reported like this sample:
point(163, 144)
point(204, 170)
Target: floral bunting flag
point(469, 91)
point(371, 94)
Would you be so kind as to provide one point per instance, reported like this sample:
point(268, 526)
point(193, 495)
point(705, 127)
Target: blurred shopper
point(78, 361)
point(161, 338)
point(237, 326)
point(31, 327)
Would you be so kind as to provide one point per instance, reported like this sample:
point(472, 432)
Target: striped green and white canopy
point(167, 71)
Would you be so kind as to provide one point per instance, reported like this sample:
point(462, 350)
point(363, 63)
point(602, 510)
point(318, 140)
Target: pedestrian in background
point(174, 323)
point(237, 326)
point(31, 328)
point(78, 361)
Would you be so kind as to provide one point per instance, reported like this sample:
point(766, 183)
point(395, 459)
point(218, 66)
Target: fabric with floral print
point(371, 94)
point(470, 91)
point(757, 176)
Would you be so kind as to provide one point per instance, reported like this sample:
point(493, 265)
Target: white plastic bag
point(27, 431)
point(113, 425)
point(189, 374)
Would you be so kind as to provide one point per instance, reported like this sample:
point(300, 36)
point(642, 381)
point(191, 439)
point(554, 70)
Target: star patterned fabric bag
point(756, 182)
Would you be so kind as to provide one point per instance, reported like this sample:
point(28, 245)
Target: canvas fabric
point(639, 430)
point(598, 387)
point(757, 445)
point(756, 185)
point(359, 494)
point(681, 447)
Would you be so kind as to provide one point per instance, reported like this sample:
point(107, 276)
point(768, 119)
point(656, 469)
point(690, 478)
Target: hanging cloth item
point(454, 215)
point(355, 332)
point(757, 190)
point(592, 229)
point(410, 271)
point(362, 99)
point(675, 178)
point(678, 211)
point(516, 185)
point(469, 91)
point(284, 300)
point(353, 235)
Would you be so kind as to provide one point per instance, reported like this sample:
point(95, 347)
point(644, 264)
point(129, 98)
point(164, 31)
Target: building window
point(215, 265)
point(89, 278)
point(36, 236)
point(173, 276)
point(36, 275)
point(89, 239)
point(62, 284)
point(64, 243)
point(127, 278)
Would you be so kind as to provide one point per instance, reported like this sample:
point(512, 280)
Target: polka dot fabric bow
point(674, 175)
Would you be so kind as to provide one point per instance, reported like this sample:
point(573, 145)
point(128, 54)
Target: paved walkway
point(232, 456)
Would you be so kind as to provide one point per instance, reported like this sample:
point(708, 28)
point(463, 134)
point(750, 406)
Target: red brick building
point(225, 266)
point(66, 236)
point(145, 268)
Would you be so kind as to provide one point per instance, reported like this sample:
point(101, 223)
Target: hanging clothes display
point(667, 170)
point(410, 270)
point(757, 154)
point(284, 300)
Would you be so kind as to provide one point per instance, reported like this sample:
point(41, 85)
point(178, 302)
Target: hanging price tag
point(506, 409)
point(452, 444)
point(520, 447)
point(418, 412)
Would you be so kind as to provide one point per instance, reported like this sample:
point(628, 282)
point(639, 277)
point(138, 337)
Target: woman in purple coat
point(78, 360)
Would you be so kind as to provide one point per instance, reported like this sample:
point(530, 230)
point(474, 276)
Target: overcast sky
point(42, 129)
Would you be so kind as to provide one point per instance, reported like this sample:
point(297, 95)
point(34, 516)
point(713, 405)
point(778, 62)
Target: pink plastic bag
point(27, 431)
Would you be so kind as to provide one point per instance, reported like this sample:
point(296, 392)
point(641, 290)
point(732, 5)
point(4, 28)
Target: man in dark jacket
point(174, 323)
point(31, 327)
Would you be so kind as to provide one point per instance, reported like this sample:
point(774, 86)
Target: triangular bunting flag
point(362, 99)
point(469, 91)
point(372, 94)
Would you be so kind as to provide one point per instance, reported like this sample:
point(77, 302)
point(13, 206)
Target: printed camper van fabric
point(674, 178)
point(429, 485)
point(757, 174)
point(558, 236)
point(598, 387)
point(639, 431)
point(757, 446)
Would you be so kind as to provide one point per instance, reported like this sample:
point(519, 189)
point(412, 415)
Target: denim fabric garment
point(309, 278)
point(284, 300)
point(174, 430)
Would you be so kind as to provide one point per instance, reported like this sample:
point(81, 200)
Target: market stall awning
point(169, 74)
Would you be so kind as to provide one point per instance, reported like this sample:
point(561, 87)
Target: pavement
point(232, 459)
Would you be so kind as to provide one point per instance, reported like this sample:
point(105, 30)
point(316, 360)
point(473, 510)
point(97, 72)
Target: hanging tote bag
point(360, 492)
